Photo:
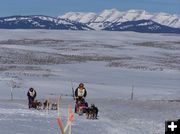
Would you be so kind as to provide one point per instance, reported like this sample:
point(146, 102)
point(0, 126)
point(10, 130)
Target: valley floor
point(110, 64)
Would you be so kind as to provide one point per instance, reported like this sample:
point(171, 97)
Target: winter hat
point(81, 85)
point(31, 89)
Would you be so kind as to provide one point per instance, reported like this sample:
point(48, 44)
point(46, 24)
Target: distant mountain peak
point(101, 20)
point(40, 22)
point(143, 26)
point(136, 10)
point(110, 10)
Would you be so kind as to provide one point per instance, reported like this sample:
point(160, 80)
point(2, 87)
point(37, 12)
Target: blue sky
point(58, 7)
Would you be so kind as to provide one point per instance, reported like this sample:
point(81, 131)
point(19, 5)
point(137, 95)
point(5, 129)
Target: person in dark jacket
point(31, 96)
point(80, 91)
point(80, 94)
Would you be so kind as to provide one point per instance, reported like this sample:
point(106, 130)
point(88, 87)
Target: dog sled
point(82, 108)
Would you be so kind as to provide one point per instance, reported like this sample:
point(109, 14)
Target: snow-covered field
point(109, 63)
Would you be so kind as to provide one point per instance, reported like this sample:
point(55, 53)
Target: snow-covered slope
point(143, 26)
point(108, 63)
point(101, 20)
point(40, 22)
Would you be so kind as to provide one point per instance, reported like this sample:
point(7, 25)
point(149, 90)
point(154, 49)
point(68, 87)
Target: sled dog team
point(37, 104)
point(81, 106)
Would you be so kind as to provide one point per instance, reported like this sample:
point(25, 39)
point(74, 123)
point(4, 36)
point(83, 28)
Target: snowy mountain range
point(143, 26)
point(112, 20)
point(40, 22)
point(107, 17)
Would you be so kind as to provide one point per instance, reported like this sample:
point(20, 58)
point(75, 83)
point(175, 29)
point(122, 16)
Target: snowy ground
point(109, 63)
point(116, 117)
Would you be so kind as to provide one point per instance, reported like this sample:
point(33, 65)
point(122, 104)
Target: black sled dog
point(92, 112)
